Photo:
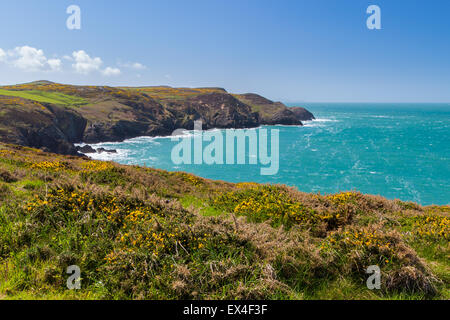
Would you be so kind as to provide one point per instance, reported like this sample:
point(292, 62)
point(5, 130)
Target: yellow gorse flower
point(96, 166)
point(47, 165)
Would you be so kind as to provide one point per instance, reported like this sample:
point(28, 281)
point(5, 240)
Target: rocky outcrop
point(86, 149)
point(283, 117)
point(106, 131)
point(101, 150)
point(71, 124)
point(115, 114)
point(216, 110)
point(271, 113)
point(49, 128)
point(302, 114)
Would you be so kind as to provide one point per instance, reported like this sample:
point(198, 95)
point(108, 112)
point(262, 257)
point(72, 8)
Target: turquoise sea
point(399, 151)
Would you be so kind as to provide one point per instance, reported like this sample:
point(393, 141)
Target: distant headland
point(53, 116)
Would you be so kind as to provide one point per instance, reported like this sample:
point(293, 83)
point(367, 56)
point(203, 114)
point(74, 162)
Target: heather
point(141, 233)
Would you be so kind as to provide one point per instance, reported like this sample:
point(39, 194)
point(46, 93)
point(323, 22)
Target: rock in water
point(100, 150)
point(86, 149)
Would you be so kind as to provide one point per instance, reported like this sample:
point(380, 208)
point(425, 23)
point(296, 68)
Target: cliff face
point(273, 113)
point(216, 110)
point(43, 126)
point(54, 116)
point(115, 117)
point(302, 114)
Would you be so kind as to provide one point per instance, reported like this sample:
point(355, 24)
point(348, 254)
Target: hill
point(141, 233)
point(54, 116)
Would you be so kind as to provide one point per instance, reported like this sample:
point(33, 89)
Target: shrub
point(353, 249)
point(261, 203)
point(103, 173)
point(7, 176)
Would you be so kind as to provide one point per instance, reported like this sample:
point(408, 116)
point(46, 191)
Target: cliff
point(54, 116)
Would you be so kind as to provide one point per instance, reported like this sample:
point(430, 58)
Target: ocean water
point(399, 151)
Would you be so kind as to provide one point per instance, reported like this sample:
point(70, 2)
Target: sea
point(396, 150)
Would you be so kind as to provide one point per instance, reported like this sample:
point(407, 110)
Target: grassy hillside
point(141, 233)
point(45, 91)
point(166, 94)
point(46, 97)
point(259, 104)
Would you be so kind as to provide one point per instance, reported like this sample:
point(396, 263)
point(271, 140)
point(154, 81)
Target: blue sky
point(286, 50)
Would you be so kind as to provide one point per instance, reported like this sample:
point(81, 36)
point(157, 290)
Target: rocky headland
point(53, 117)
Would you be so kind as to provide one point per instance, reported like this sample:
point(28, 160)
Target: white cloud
point(133, 65)
point(2, 55)
point(138, 66)
point(28, 58)
point(84, 64)
point(111, 71)
point(55, 64)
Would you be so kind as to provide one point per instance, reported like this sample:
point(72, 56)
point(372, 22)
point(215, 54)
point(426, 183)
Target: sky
point(286, 50)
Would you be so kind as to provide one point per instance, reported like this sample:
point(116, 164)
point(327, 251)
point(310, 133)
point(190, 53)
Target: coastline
point(99, 114)
point(354, 149)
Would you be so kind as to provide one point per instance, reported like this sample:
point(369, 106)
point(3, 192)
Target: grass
point(45, 97)
point(203, 206)
point(163, 94)
point(265, 109)
point(141, 233)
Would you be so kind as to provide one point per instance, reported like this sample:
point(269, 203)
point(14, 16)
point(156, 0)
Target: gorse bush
point(102, 173)
point(128, 231)
point(145, 249)
point(196, 181)
point(48, 165)
point(261, 203)
point(352, 250)
point(431, 227)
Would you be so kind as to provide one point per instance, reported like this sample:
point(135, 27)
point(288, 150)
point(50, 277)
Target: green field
point(46, 97)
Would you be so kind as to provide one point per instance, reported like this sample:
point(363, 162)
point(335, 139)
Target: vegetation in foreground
point(140, 233)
